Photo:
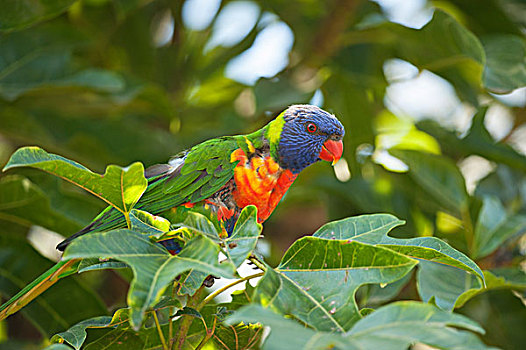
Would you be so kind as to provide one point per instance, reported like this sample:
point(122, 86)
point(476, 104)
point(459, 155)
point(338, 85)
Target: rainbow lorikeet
point(228, 173)
point(224, 175)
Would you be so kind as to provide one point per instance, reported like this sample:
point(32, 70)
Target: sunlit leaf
point(294, 286)
point(119, 187)
point(144, 222)
point(373, 229)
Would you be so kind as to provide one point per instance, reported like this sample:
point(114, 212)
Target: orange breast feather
point(260, 182)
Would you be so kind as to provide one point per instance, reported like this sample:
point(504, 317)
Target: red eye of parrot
point(311, 127)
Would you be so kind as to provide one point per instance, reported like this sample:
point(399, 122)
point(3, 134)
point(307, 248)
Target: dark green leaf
point(23, 204)
point(503, 278)
point(17, 14)
point(494, 226)
point(398, 325)
point(444, 284)
point(438, 176)
point(505, 68)
point(189, 311)
point(76, 335)
point(66, 303)
point(154, 268)
point(286, 334)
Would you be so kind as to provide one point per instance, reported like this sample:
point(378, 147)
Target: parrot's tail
point(43, 282)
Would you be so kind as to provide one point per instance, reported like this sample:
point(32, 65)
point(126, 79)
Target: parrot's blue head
point(307, 134)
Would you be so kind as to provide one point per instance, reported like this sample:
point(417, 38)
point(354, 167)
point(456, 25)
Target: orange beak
point(331, 151)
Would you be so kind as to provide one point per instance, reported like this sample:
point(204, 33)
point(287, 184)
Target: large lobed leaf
point(317, 279)
point(373, 229)
point(395, 326)
point(153, 267)
point(119, 187)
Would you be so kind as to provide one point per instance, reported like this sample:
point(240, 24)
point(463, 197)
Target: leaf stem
point(159, 330)
point(468, 228)
point(127, 217)
point(221, 290)
point(209, 334)
point(258, 263)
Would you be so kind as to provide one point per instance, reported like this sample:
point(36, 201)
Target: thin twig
point(258, 263)
point(159, 330)
point(209, 334)
point(221, 290)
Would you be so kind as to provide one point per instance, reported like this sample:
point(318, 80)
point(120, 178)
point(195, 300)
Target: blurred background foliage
point(432, 95)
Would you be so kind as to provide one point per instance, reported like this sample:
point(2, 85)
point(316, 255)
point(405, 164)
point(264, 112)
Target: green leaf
point(444, 47)
point(438, 175)
point(392, 327)
point(149, 224)
point(242, 242)
point(119, 187)
point(503, 278)
point(153, 267)
point(42, 58)
point(373, 229)
point(443, 283)
point(66, 303)
point(76, 335)
point(377, 294)
point(191, 281)
point(478, 141)
point(505, 68)
point(189, 311)
point(294, 286)
point(23, 204)
point(286, 334)
point(494, 227)
point(57, 347)
point(96, 264)
point(17, 14)
point(400, 324)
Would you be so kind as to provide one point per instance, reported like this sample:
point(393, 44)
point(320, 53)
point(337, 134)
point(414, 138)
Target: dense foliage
point(392, 254)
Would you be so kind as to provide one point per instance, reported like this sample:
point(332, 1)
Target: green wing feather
point(191, 176)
